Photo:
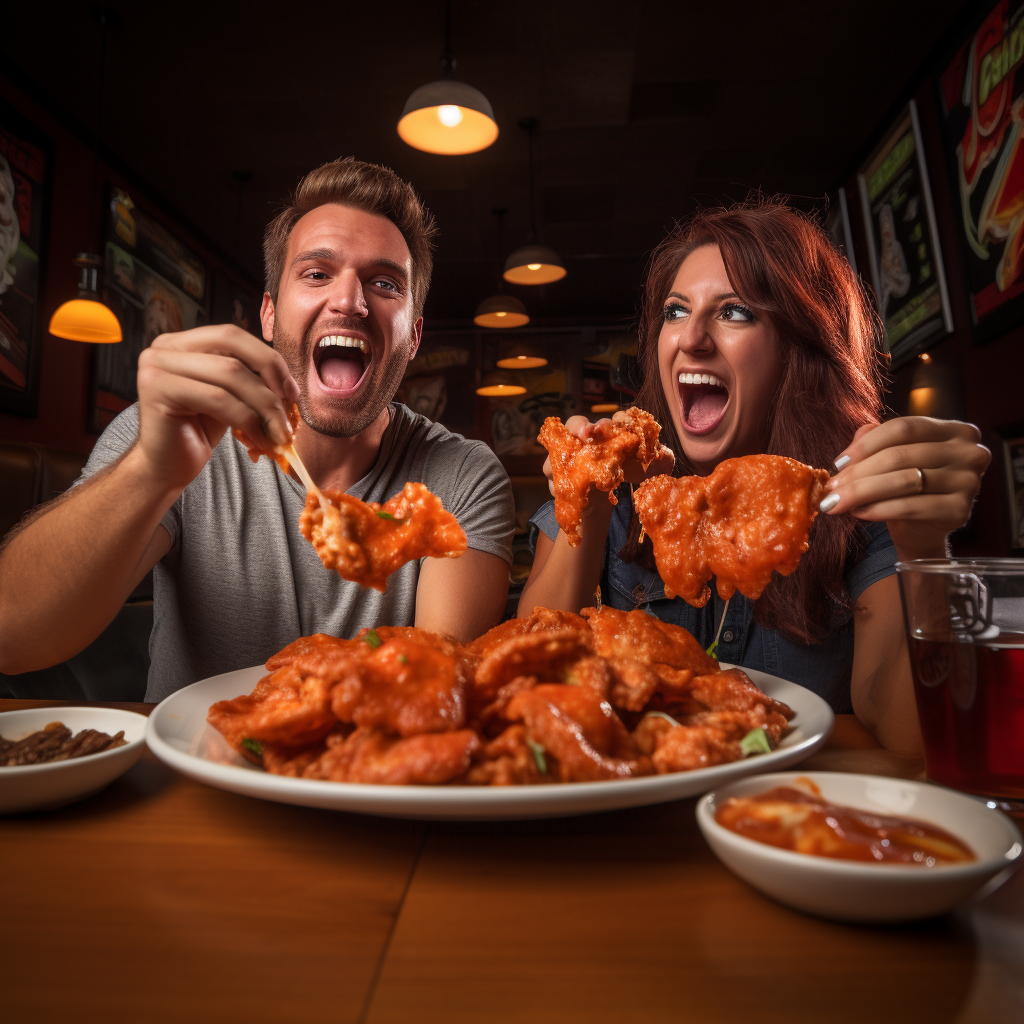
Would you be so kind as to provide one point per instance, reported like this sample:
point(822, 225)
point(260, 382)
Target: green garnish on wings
point(372, 639)
point(538, 755)
point(755, 742)
point(253, 746)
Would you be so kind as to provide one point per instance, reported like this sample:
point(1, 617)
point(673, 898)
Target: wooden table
point(161, 899)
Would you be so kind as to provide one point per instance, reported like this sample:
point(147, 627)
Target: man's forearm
point(65, 574)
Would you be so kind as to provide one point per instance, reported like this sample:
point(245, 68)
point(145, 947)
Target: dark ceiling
point(646, 109)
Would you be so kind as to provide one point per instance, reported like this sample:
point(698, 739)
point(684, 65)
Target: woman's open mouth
point(341, 361)
point(704, 399)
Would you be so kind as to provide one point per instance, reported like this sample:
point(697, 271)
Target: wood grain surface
point(164, 900)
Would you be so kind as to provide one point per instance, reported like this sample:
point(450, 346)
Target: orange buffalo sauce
point(804, 822)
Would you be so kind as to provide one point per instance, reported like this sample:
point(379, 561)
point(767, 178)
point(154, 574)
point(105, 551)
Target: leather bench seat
point(115, 666)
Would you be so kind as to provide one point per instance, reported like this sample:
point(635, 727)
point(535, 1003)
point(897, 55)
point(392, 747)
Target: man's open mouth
point(704, 397)
point(341, 360)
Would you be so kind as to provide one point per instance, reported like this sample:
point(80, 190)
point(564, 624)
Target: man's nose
point(347, 295)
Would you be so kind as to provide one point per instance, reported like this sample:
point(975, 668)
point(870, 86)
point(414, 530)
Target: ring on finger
point(920, 483)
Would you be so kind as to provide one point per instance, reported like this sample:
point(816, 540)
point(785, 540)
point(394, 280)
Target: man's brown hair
point(368, 187)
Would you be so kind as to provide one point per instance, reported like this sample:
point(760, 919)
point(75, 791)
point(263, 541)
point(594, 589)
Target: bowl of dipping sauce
point(858, 847)
point(53, 783)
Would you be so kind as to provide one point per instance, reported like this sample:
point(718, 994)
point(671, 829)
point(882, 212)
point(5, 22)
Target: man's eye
point(316, 275)
point(673, 312)
point(387, 285)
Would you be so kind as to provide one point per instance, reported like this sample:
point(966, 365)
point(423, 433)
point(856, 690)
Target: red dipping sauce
point(793, 819)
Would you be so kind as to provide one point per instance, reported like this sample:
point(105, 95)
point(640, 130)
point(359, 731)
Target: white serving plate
point(857, 891)
point(33, 787)
point(178, 734)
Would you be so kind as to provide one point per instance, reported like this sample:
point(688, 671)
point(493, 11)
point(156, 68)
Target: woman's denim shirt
point(825, 668)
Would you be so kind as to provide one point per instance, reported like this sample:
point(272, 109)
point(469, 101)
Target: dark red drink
point(970, 701)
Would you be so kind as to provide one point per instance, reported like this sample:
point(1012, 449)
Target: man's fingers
point(158, 367)
point(230, 341)
point(188, 397)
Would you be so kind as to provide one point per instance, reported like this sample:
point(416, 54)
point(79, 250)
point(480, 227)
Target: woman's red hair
point(783, 266)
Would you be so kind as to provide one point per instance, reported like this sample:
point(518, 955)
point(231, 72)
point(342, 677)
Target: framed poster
point(837, 225)
point(26, 170)
point(980, 93)
point(235, 304)
point(155, 285)
point(1013, 470)
point(903, 244)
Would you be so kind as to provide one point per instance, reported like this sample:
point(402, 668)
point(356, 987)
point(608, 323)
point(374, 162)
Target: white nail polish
point(829, 503)
point(843, 460)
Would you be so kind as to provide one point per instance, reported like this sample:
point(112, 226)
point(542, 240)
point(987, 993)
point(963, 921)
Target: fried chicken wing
point(748, 518)
point(365, 542)
point(369, 755)
point(275, 453)
point(507, 760)
point(598, 461)
point(585, 739)
point(315, 654)
point(546, 655)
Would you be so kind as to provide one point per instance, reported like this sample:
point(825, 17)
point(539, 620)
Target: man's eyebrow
point(312, 255)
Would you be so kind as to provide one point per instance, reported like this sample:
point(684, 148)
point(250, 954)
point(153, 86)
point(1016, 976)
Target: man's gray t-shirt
point(240, 581)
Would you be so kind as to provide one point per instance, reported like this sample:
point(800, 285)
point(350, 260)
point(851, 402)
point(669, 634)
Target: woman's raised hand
point(918, 475)
point(635, 473)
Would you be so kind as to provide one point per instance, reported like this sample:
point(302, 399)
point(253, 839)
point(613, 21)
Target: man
point(167, 486)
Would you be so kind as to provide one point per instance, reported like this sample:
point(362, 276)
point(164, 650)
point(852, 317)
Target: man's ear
point(267, 318)
point(417, 335)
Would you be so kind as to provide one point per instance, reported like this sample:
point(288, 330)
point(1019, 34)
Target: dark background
point(646, 111)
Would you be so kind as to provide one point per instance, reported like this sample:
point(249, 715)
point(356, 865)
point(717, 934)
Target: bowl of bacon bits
point(53, 756)
point(859, 847)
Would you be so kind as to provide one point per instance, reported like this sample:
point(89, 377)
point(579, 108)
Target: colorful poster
point(982, 93)
point(906, 263)
point(26, 159)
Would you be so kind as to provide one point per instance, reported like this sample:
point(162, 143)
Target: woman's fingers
point(906, 430)
point(546, 470)
point(903, 483)
point(955, 452)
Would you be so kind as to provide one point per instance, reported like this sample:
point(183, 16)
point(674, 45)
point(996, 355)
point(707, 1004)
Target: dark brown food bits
point(55, 743)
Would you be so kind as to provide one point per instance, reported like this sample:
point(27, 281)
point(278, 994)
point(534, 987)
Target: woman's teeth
point(343, 341)
point(701, 378)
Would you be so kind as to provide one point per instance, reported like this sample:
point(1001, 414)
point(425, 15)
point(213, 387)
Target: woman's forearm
point(566, 578)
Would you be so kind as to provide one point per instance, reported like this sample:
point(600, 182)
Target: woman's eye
point(674, 311)
point(736, 312)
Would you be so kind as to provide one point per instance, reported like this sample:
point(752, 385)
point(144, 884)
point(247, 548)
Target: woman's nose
point(693, 336)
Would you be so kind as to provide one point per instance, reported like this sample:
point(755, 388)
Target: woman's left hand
point(918, 475)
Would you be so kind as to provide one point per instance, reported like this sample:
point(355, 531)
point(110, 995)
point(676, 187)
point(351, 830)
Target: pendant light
point(521, 355)
point(498, 385)
point(501, 310)
point(87, 318)
point(447, 116)
point(533, 263)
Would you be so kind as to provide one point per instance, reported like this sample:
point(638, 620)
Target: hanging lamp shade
point(448, 117)
point(520, 355)
point(86, 318)
point(499, 385)
point(534, 264)
point(501, 311)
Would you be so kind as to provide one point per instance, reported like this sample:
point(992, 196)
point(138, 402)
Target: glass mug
point(965, 629)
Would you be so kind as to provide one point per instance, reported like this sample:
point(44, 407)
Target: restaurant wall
point(983, 382)
point(64, 376)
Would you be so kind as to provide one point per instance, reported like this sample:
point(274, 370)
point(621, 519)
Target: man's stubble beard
point(376, 393)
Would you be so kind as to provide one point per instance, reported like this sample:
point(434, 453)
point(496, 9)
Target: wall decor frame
point(903, 244)
point(26, 193)
point(1013, 479)
point(978, 88)
point(837, 224)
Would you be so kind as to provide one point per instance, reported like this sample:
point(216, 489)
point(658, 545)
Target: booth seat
point(116, 664)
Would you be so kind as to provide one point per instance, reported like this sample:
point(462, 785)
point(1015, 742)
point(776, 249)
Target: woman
point(756, 336)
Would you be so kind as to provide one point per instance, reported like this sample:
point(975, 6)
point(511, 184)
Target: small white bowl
point(854, 890)
point(32, 787)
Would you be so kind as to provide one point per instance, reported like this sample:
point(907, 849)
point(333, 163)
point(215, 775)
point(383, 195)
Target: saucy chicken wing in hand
point(362, 541)
point(748, 518)
point(578, 464)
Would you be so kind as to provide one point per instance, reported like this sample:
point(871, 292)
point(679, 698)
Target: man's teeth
point(344, 341)
point(701, 378)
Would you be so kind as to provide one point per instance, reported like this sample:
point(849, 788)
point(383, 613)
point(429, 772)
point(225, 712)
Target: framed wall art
point(26, 173)
point(155, 285)
point(903, 245)
point(980, 97)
